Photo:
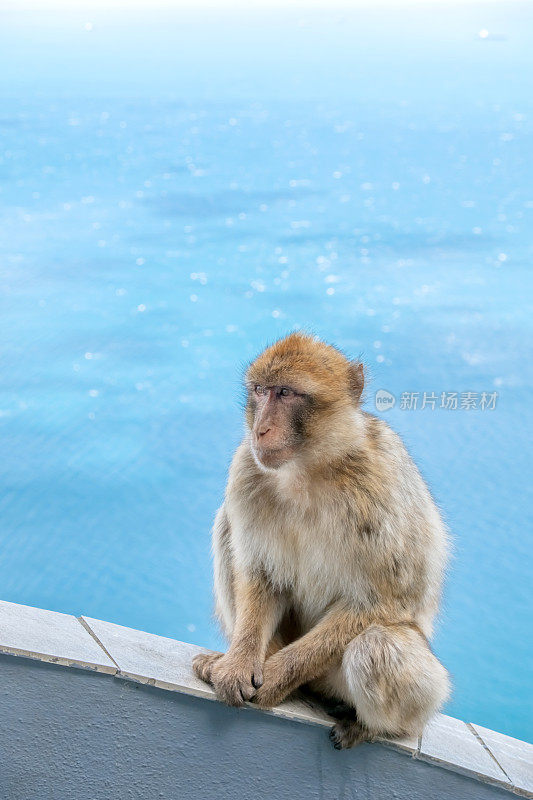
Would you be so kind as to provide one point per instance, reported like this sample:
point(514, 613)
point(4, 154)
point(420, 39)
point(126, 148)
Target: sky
point(248, 4)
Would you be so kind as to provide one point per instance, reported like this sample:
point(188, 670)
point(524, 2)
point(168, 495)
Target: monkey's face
point(295, 389)
point(277, 415)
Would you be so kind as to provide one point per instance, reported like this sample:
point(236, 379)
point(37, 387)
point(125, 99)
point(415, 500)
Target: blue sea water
point(178, 189)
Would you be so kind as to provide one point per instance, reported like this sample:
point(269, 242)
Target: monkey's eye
point(258, 389)
point(285, 391)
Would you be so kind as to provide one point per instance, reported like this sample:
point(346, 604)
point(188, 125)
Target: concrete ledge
point(484, 758)
point(49, 636)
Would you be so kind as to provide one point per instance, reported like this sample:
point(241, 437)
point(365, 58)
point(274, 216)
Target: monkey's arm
point(310, 656)
point(236, 675)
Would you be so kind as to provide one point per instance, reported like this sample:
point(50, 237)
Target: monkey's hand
point(276, 682)
point(235, 679)
point(202, 665)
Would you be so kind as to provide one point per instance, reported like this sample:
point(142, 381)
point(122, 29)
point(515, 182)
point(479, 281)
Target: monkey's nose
point(262, 432)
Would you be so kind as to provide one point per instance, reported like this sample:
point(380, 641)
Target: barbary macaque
point(329, 554)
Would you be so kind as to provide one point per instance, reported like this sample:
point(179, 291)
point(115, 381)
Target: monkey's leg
point(203, 663)
point(327, 693)
point(322, 694)
point(389, 674)
point(236, 675)
point(310, 656)
point(274, 645)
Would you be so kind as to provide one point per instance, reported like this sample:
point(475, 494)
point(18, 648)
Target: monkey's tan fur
point(328, 568)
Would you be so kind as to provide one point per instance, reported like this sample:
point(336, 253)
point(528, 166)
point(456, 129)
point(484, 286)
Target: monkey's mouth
point(272, 457)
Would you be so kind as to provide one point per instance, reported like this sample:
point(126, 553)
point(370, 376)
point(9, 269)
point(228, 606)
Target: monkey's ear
point(356, 379)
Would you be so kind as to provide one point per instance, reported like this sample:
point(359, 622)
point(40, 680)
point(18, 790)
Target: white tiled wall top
point(447, 740)
point(166, 663)
point(50, 636)
point(514, 756)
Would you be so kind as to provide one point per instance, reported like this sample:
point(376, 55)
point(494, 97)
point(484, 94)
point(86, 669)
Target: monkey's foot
point(348, 733)
point(203, 663)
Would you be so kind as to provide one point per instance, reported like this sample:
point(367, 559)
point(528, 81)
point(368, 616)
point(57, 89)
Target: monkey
point(329, 553)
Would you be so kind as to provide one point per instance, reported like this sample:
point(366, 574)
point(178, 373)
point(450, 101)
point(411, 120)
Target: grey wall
point(69, 734)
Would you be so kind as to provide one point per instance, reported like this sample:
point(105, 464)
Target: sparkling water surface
point(176, 191)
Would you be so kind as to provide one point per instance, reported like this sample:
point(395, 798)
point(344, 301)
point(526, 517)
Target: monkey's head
point(297, 388)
